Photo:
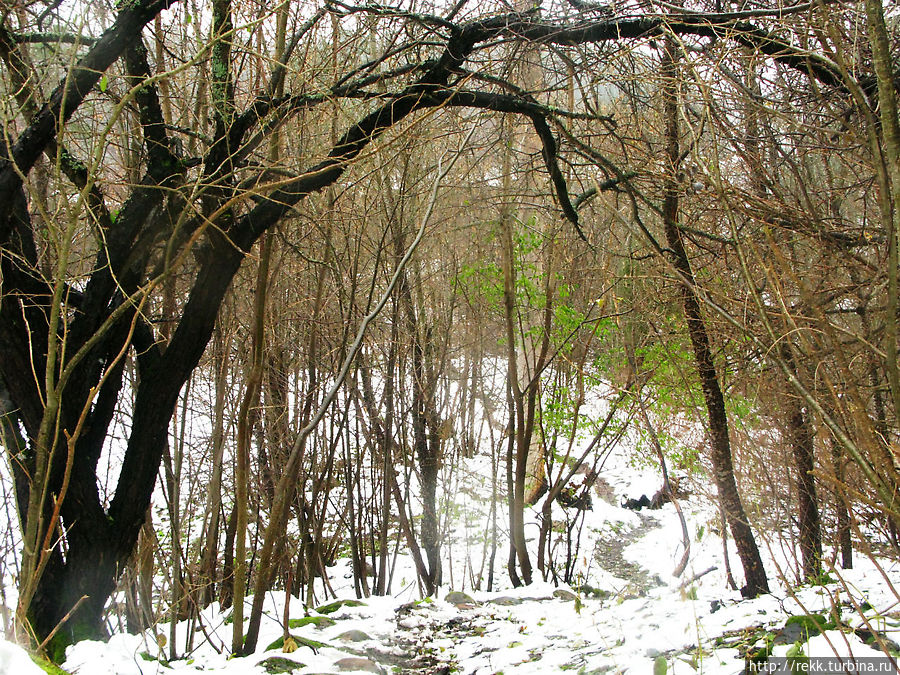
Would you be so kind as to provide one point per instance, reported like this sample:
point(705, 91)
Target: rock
point(319, 622)
point(664, 496)
point(802, 627)
point(299, 642)
point(357, 663)
point(332, 607)
point(354, 636)
point(604, 490)
point(575, 498)
point(873, 639)
point(506, 601)
point(637, 504)
point(564, 595)
point(280, 664)
point(460, 599)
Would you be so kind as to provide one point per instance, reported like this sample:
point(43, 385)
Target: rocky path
point(427, 638)
point(609, 555)
point(458, 634)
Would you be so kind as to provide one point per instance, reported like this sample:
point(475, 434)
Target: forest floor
point(623, 611)
point(632, 616)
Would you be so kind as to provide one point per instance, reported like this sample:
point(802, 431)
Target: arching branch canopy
point(158, 187)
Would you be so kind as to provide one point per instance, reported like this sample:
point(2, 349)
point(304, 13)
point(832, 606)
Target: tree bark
point(802, 448)
point(723, 468)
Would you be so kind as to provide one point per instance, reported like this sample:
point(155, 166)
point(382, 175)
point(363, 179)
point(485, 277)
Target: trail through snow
point(623, 611)
point(632, 614)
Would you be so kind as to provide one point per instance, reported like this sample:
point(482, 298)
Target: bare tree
point(91, 235)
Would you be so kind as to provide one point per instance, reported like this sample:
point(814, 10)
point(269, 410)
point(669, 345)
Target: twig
point(61, 622)
point(699, 575)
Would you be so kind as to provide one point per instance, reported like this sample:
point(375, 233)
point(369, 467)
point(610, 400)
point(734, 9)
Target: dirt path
point(609, 555)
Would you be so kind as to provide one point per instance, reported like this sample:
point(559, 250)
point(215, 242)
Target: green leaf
point(660, 666)
point(794, 651)
point(811, 624)
point(103, 83)
point(299, 641)
point(797, 660)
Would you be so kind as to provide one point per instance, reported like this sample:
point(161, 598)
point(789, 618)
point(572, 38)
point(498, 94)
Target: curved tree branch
point(69, 94)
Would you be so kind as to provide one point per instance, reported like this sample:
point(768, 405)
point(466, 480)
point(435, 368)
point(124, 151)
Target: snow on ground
point(622, 612)
point(624, 622)
point(15, 661)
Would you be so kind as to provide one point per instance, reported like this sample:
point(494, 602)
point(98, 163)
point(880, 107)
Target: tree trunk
point(426, 438)
point(723, 469)
point(888, 154)
point(212, 519)
point(247, 418)
point(801, 438)
point(844, 532)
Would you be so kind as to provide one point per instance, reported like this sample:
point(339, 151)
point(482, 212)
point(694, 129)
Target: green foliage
point(280, 664)
point(566, 321)
point(660, 665)
point(76, 631)
point(822, 579)
point(48, 666)
point(797, 660)
point(674, 381)
point(558, 410)
point(483, 280)
point(672, 387)
point(332, 607)
point(741, 408)
point(753, 643)
point(147, 656)
point(317, 621)
point(315, 645)
point(810, 624)
point(761, 653)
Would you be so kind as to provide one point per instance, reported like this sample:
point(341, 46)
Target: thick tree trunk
point(78, 589)
point(723, 468)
